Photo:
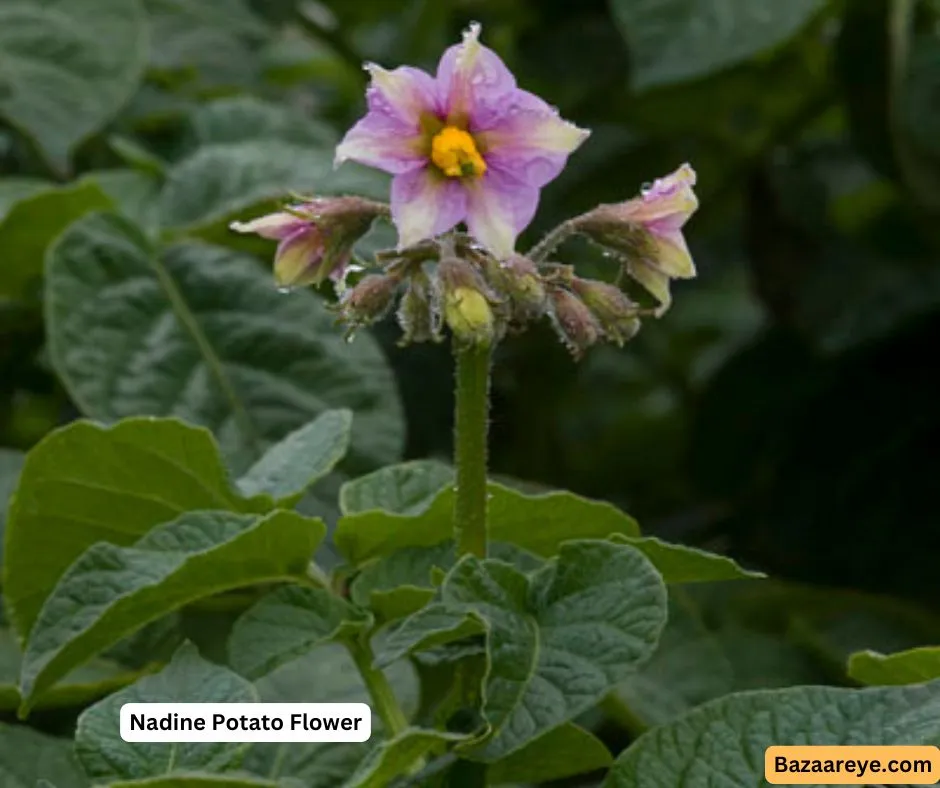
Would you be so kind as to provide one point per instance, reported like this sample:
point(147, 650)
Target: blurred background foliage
point(785, 411)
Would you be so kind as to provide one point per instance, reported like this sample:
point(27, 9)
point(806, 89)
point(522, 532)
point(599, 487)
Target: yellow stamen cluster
point(455, 153)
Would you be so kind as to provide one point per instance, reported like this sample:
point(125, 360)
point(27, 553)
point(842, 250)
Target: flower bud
point(647, 232)
point(616, 314)
point(316, 237)
point(465, 302)
point(369, 300)
point(574, 322)
point(518, 277)
point(416, 315)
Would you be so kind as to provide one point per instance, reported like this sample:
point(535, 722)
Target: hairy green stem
point(540, 252)
point(471, 427)
point(383, 699)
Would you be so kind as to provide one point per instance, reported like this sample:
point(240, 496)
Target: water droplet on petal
point(646, 188)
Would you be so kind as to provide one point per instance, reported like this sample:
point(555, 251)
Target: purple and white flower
point(466, 145)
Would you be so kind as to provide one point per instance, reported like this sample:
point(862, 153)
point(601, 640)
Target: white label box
point(245, 722)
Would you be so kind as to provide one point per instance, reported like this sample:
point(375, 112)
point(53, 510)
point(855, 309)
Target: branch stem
point(383, 698)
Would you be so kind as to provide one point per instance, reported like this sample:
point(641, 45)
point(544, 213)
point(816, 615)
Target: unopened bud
point(316, 237)
point(465, 302)
point(518, 277)
point(369, 300)
point(616, 314)
point(416, 315)
point(574, 322)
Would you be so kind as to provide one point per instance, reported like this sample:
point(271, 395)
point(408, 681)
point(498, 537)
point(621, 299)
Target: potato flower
point(466, 145)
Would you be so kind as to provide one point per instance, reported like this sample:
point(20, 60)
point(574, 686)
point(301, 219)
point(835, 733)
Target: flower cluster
point(467, 146)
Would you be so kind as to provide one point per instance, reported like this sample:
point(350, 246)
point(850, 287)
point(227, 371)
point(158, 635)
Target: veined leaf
point(107, 758)
point(60, 84)
point(558, 639)
point(207, 337)
point(726, 738)
point(112, 591)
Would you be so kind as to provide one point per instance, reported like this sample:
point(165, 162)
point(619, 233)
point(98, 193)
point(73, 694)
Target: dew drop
point(646, 188)
point(285, 289)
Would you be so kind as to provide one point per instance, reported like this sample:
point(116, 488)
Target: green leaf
point(913, 666)
point(207, 337)
point(106, 757)
point(220, 182)
point(247, 118)
point(135, 195)
point(12, 190)
point(410, 567)
point(304, 457)
point(32, 224)
point(396, 756)
point(79, 688)
point(11, 463)
point(85, 483)
point(397, 585)
point(678, 40)
point(681, 564)
point(436, 624)
point(537, 523)
point(726, 738)
point(112, 591)
point(27, 755)
point(563, 752)
point(286, 624)
point(689, 667)
point(408, 488)
point(59, 83)
point(558, 639)
point(197, 781)
point(213, 41)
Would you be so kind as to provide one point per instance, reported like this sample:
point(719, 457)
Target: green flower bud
point(465, 302)
point(617, 315)
point(573, 321)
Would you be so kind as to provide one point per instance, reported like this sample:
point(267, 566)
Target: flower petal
point(668, 203)
point(424, 204)
point(273, 226)
point(531, 138)
point(674, 257)
point(654, 281)
point(500, 206)
point(390, 136)
point(472, 82)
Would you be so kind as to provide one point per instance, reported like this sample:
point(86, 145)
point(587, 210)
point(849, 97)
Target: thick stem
point(471, 427)
point(383, 699)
